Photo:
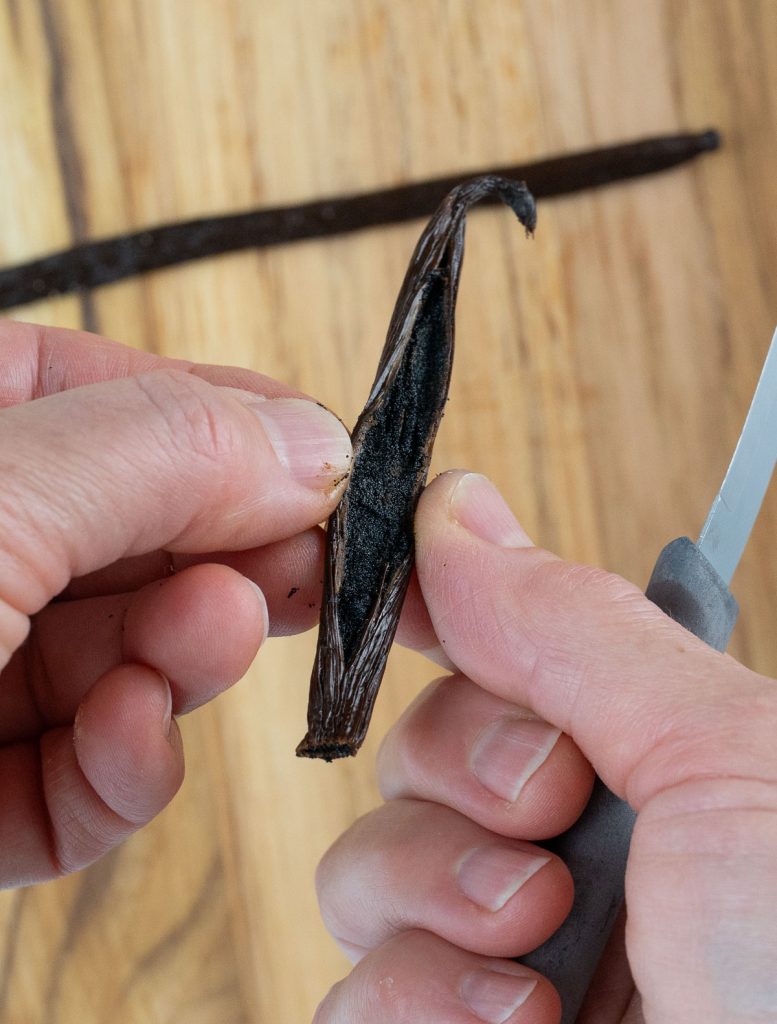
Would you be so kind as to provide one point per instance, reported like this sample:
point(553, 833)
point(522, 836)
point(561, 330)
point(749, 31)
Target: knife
point(690, 582)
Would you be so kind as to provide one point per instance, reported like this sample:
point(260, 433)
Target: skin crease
point(555, 665)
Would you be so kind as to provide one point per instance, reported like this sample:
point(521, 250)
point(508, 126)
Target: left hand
point(144, 503)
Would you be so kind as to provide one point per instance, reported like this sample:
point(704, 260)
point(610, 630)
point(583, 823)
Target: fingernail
point(479, 507)
point(508, 752)
point(167, 714)
point(490, 875)
point(494, 996)
point(308, 440)
point(263, 608)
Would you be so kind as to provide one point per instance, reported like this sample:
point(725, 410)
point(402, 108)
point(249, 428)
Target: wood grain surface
point(602, 376)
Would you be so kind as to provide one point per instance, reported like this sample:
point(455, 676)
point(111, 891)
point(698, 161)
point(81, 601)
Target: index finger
point(37, 361)
point(157, 460)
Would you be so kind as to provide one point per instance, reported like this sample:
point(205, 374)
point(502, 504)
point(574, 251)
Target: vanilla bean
point(370, 534)
point(114, 259)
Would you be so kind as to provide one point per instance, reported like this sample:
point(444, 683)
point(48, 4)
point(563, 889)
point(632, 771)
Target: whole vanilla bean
point(370, 534)
point(114, 259)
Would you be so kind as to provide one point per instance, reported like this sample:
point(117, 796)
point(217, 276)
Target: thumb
point(159, 460)
point(648, 703)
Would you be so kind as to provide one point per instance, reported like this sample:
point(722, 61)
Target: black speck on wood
point(369, 552)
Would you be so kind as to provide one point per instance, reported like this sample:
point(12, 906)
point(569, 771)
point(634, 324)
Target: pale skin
point(153, 516)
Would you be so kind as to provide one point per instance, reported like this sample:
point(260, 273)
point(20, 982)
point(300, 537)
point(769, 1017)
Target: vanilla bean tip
point(710, 139)
point(326, 750)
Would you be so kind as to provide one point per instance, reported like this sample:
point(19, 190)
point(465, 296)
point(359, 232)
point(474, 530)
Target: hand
point(122, 474)
point(560, 665)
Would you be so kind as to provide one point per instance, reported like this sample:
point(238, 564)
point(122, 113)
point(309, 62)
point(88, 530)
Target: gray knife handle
point(685, 585)
point(595, 849)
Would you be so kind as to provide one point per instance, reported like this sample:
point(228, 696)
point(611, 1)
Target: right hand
point(559, 667)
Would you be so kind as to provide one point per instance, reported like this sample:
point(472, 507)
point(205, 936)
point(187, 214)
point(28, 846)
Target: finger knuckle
point(566, 603)
point(408, 755)
point(372, 992)
point(368, 993)
point(191, 414)
point(360, 878)
point(725, 731)
point(336, 888)
point(384, 988)
point(566, 610)
point(569, 586)
point(323, 883)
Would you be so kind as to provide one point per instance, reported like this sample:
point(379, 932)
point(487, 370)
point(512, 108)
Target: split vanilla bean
point(370, 534)
point(114, 259)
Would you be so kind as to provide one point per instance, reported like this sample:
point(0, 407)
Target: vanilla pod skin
point(95, 263)
point(369, 553)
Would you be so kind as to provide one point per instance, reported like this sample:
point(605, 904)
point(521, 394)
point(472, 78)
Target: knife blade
point(738, 502)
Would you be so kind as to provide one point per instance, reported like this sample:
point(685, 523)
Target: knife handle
point(595, 850)
point(685, 585)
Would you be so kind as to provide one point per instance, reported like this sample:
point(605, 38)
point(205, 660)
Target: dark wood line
point(69, 164)
point(114, 259)
point(14, 16)
point(170, 942)
point(12, 946)
point(93, 885)
point(66, 150)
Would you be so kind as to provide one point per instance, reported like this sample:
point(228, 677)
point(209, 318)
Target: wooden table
point(603, 370)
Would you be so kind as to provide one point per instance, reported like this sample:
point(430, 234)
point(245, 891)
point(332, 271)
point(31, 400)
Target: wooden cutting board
point(602, 376)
